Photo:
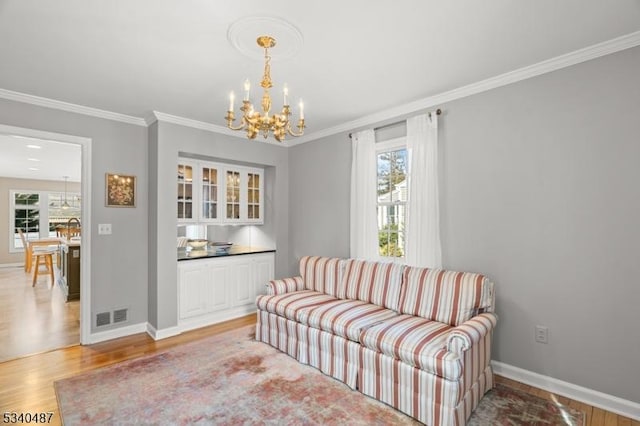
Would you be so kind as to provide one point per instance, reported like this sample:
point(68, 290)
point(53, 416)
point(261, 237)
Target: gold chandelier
point(255, 122)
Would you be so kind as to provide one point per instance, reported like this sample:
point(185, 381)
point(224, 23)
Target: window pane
point(24, 199)
point(392, 197)
point(392, 175)
point(27, 220)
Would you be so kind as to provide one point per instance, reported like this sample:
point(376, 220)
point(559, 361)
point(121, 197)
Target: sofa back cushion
point(321, 274)
point(372, 282)
point(445, 296)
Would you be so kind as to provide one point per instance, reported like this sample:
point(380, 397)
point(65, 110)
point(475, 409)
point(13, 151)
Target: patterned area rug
point(232, 379)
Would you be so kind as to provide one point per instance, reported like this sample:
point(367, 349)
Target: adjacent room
point(40, 274)
point(320, 213)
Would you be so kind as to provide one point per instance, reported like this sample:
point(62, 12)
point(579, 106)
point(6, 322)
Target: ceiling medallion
point(242, 36)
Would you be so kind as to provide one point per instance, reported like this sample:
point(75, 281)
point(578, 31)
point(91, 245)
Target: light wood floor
point(26, 385)
point(34, 319)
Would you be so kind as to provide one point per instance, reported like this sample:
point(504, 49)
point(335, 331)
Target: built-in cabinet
point(218, 193)
point(221, 288)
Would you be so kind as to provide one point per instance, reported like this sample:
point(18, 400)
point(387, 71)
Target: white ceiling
point(19, 158)
point(358, 57)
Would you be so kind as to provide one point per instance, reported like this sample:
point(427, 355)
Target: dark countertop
point(189, 254)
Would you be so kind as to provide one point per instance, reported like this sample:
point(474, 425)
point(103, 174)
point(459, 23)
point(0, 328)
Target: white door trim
point(85, 246)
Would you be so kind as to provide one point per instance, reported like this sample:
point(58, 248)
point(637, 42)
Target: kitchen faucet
point(69, 225)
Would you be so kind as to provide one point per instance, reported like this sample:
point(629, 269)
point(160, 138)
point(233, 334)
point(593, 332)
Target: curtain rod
point(438, 112)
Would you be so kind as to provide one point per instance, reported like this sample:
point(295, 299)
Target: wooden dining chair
point(28, 256)
point(68, 233)
point(47, 257)
point(35, 247)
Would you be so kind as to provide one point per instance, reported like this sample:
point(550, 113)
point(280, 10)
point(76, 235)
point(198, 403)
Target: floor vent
point(103, 318)
point(119, 315)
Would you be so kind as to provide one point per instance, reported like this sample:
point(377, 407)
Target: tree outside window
point(392, 178)
point(26, 217)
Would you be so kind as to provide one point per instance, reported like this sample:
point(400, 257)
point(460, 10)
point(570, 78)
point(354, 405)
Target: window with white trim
point(392, 179)
point(38, 214)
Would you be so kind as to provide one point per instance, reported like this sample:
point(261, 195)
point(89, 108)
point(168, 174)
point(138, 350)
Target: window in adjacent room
point(26, 216)
point(38, 214)
point(392, 177)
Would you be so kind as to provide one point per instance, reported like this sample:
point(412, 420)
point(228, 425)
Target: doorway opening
point(45, 259)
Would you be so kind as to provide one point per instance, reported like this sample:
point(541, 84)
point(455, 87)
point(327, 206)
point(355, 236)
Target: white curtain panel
point(423, 246)
point(364, 228)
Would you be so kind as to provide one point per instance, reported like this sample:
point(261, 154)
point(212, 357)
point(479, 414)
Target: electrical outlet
point(542, 334)
point(104, 229)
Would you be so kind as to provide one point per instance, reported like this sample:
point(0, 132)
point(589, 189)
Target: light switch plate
point(104, 229)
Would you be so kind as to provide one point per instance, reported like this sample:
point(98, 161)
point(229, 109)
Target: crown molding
point(195, 124)
point(563, 61)
point(188, 122)
point(66, 106)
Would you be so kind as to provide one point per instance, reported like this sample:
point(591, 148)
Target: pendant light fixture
point(65, 205)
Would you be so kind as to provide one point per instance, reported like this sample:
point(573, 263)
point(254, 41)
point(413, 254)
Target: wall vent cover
point(103, 318)
point(119, 315)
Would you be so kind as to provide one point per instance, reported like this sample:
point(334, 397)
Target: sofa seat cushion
point(344, 318)
point(287, 304)
point(416, 341)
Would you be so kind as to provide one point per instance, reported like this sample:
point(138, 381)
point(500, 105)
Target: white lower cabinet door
point(263, 271)
point(217, 286)
point(193, 280)
point(240, 282)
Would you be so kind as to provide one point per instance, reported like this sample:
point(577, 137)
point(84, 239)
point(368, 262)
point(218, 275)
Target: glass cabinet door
point(185, 192)
point(253, 196)
point(210, 187)
point(233, 194)
point(218, 193)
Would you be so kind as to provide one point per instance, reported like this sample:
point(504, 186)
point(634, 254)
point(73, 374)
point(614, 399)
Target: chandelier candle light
point(255, 122)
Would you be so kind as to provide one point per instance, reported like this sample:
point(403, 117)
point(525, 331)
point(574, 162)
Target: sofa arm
point(285, 285)
point(469, 333)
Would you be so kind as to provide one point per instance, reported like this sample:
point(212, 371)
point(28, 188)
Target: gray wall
point(319, 195)
point(539, 190)
point(118, 261)
point(166, 141)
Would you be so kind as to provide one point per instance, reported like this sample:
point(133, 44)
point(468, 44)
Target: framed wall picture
point(120, 190)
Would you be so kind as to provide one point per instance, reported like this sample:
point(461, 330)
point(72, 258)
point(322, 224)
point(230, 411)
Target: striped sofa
point(417, 339)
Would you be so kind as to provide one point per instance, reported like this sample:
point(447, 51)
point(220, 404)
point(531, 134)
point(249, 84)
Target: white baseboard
point(116, 333)
point(11, 265)
point(200, 321)
point(162, 334)
point(588, 396)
